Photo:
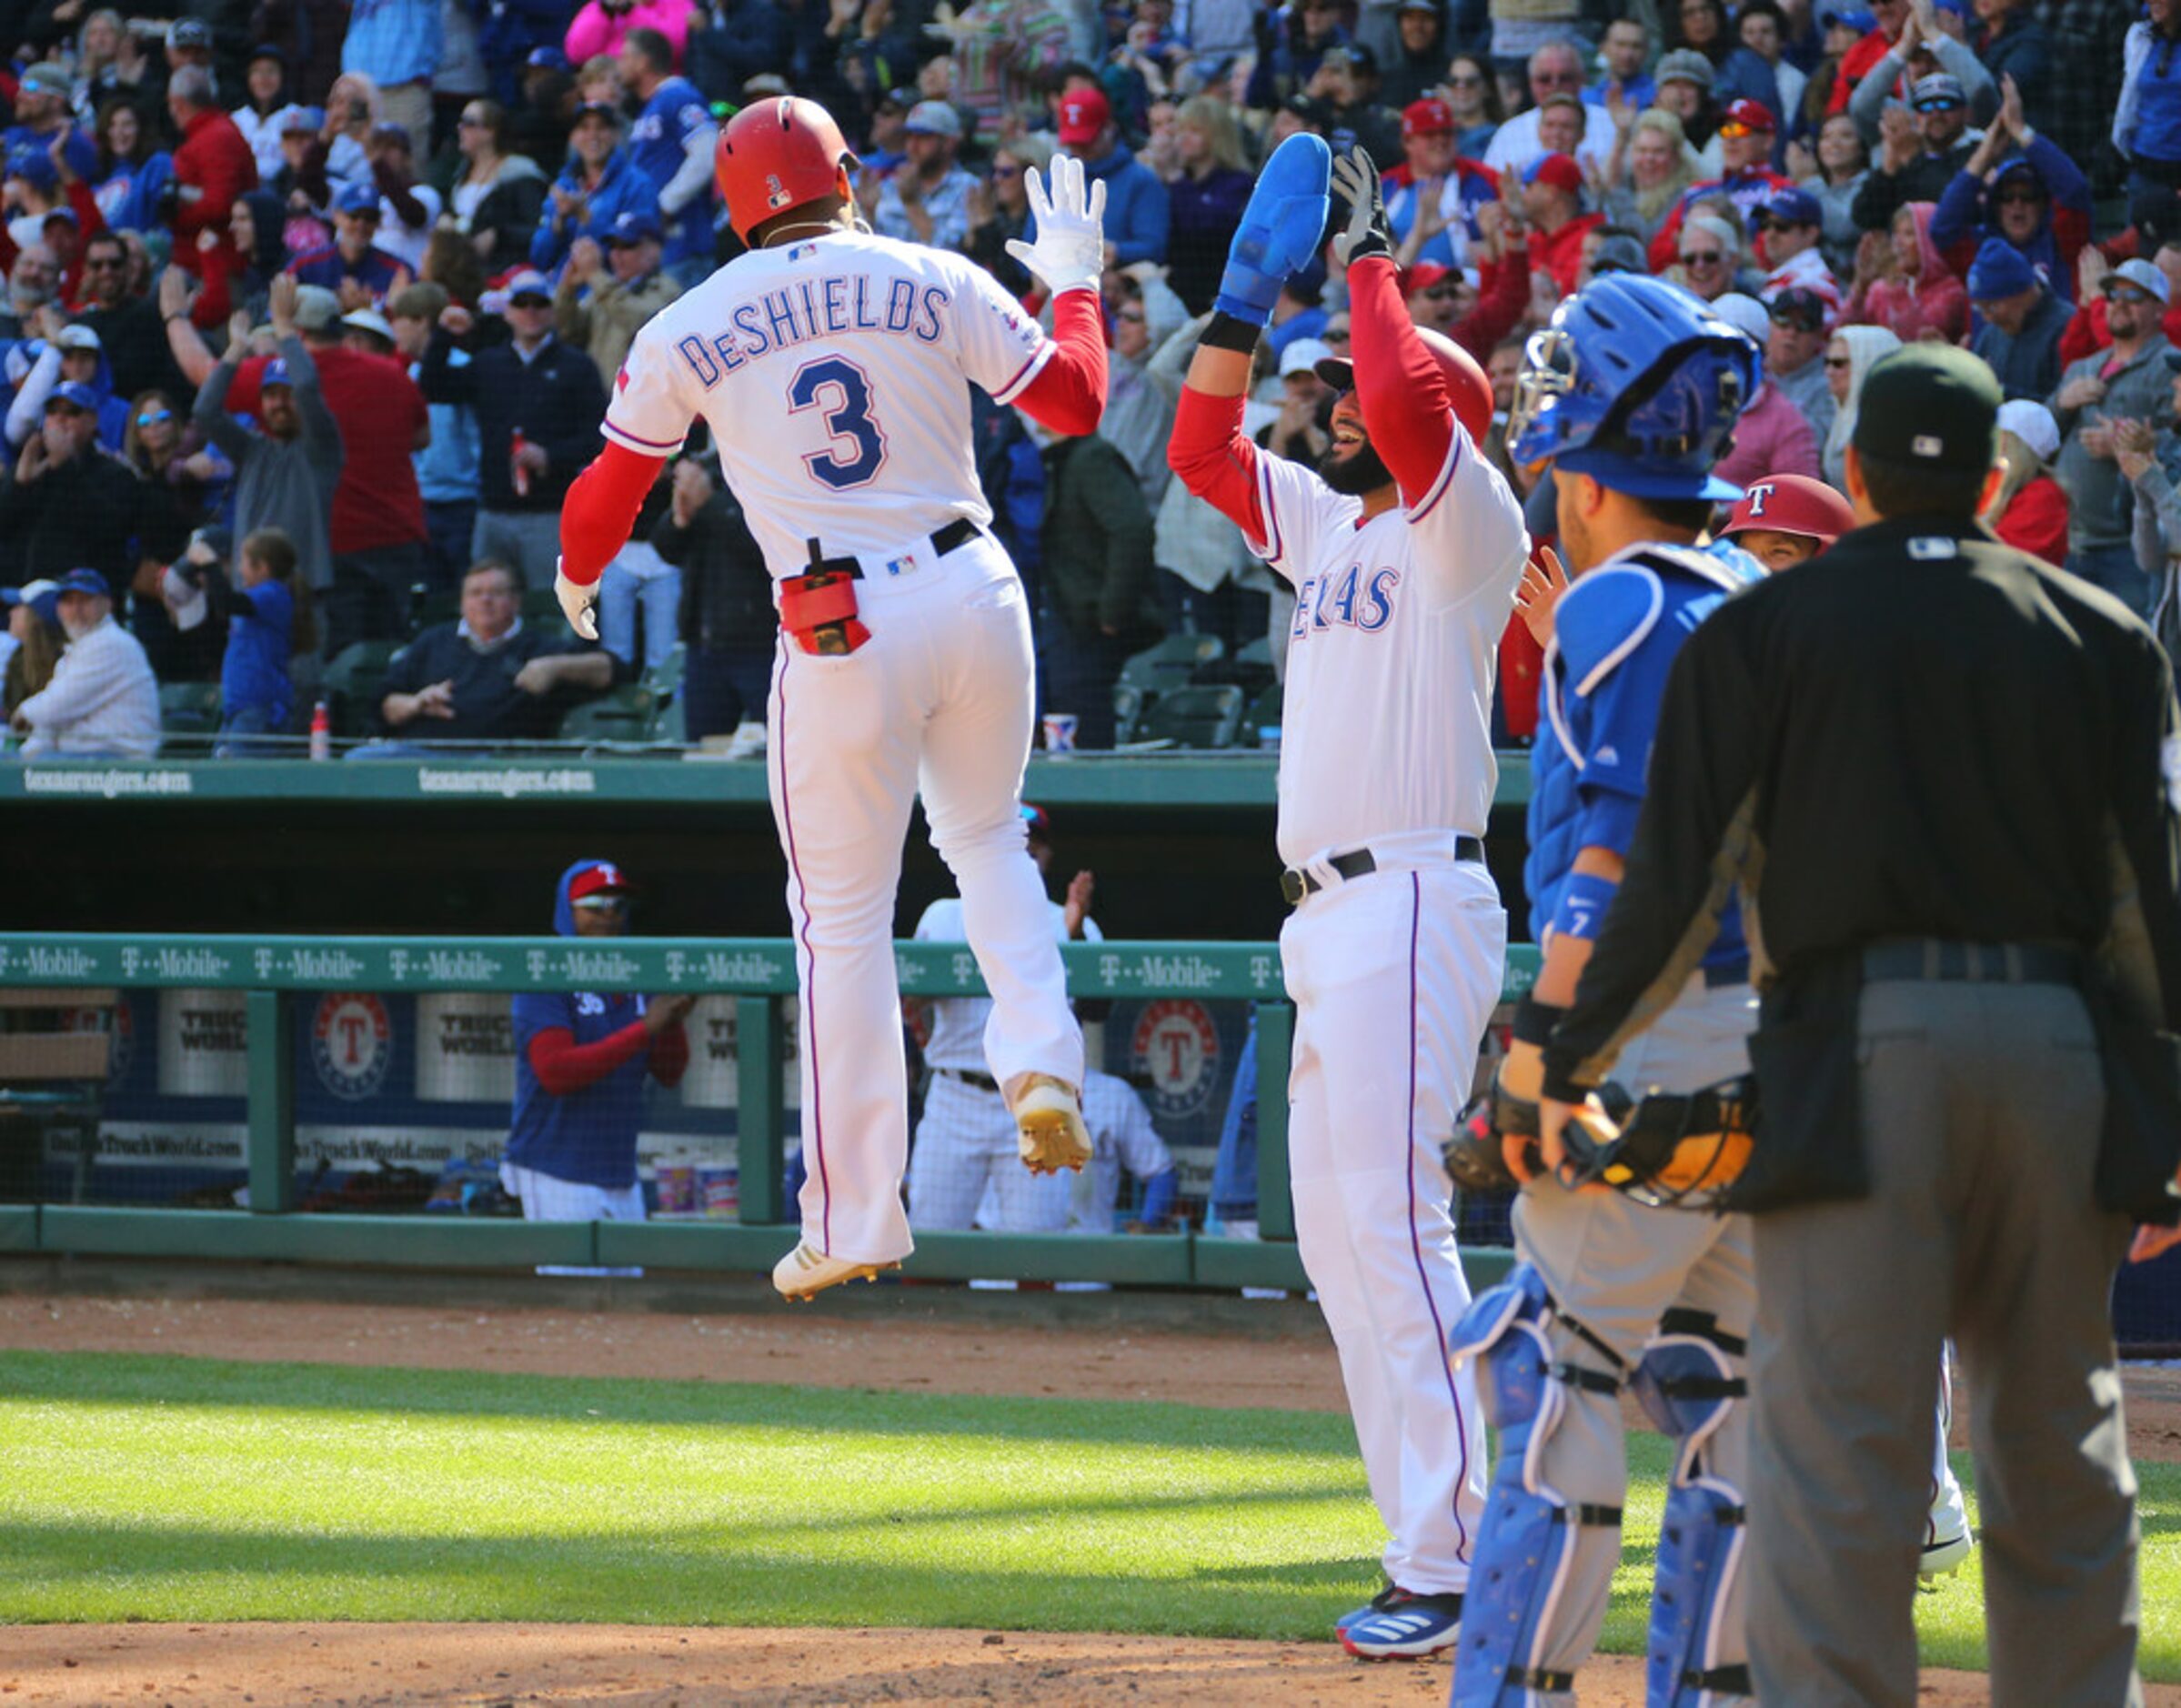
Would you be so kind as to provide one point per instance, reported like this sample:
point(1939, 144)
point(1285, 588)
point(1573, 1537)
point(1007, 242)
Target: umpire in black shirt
point(1945, 775)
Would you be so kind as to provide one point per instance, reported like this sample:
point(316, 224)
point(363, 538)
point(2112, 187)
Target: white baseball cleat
point(806, 1271)
point(1943, 1559)
point(1049, 1119)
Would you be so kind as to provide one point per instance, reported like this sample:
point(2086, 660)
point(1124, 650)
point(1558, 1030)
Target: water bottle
point(321, 733)
point(520, 471)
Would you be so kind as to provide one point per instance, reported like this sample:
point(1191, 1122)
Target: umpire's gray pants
point(1981, 1106)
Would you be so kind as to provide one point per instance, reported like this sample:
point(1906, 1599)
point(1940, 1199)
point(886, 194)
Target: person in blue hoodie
point(598, 183)
point(580, 1061)
point(75, 353)
point(1136, 210)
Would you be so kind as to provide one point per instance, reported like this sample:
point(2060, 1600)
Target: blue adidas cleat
point(1407, 1627)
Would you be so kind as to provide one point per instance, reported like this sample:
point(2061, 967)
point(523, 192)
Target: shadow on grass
point(133, 1380)
point(694, 1576)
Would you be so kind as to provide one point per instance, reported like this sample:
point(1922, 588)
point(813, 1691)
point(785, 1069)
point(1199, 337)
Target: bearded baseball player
point(1404, 546)
point(1631, 392)
point(834, 367)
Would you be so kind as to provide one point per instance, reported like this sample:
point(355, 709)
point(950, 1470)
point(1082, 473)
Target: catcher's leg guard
point(1525, 1545)
point(1688, 1385)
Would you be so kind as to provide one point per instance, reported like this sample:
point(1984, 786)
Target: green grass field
point(181, 1489)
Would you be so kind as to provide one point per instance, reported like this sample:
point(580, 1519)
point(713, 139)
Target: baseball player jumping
point(834, 369)
point(1631, 392)
point(1403, 545)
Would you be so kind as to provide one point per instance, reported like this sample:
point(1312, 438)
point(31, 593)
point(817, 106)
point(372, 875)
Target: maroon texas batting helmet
point(1466, 385)
point(1792, 504)
point(778, 154)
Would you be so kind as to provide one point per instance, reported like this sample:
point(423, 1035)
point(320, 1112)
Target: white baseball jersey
point(836, 369)
point(1392, 653)
point(1121, 1138)
point(956, 1038)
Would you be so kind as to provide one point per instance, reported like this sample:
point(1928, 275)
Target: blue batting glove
point(1279, 229)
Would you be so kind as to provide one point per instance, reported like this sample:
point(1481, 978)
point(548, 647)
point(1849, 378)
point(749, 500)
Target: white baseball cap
point(1746, 315)
point(1303, 357)
point(2032, 423)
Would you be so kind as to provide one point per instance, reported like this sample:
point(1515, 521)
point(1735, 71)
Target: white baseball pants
point(939, 699)
point(1395, 976)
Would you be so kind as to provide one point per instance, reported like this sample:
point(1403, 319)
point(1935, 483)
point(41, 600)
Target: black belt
point(1295, 883)
point(1919, 959)
point(982, 1081)
point(960, 531)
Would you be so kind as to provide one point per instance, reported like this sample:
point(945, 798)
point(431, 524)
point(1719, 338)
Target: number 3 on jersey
point(843, 391)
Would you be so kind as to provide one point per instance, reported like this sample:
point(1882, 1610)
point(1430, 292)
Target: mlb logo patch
point(776, 194)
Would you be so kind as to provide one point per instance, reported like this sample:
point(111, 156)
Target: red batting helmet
point(1792, 504)
point(1466, 385)
point(778, 154)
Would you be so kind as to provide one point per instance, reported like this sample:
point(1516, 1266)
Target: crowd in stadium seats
point(350, 279)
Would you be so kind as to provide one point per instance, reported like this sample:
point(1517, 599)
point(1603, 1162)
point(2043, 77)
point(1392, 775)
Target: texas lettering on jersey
point(1346, 599)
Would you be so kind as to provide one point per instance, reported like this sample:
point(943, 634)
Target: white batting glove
point(579, 605)
point(1070, 249)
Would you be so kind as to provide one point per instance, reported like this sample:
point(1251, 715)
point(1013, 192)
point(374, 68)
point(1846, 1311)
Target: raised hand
point(1279, 229)
point(1355, 180)
point(1545, 579)
point(1071, 250)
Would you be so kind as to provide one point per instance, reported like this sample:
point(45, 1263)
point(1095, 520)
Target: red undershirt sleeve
point(1215, 459)
point(1069, 392)
point(564, 1067)
point(671, 1056)
point(1406, 409)
point(601, 507)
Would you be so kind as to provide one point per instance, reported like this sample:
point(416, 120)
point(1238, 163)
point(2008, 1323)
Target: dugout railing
point(265, 973)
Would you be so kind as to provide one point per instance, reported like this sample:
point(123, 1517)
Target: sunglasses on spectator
point(152, 418)
point(1335, 335)
point(469, 122)
point(1439, 293)
point(1938, 103)
point(2126, 294)
point(1555, 79)
point(1703, 257)
point(102, 262)
point(1734, 130)
point(1797, 320)
point(1467, 80)
point(603, 904)
point(1134, 316)
point(1007, 172)
point(2025, 195)
point(1840, 361)
point(530, 302)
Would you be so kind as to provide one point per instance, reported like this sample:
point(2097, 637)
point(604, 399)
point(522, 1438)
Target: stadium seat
point(1264, 713)
point(1171, 663)
point(442, 605)
point(623, 715)
point(1194, 717)
point(542, 604)
point(664, 678)
point(354, 683)
point(189, 708)
point(1128, 710)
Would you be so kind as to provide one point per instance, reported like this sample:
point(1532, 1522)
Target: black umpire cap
point(1929, 405)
